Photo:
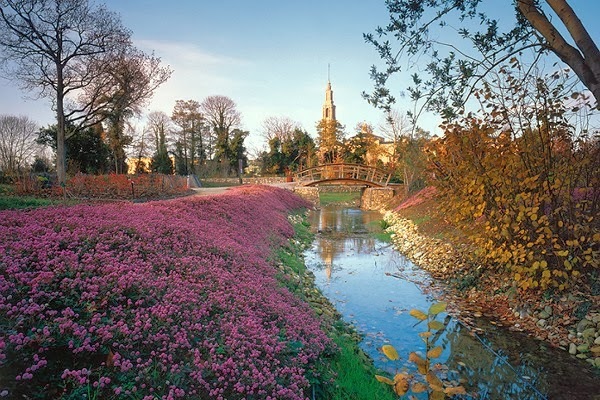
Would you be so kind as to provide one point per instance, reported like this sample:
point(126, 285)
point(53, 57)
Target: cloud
point(189, 55)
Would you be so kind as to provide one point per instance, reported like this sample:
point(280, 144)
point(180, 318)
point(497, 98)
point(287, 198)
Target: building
point(328, 106)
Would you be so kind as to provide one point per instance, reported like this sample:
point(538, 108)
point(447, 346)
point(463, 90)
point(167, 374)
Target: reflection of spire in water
point(327, 254)
point(337, 226)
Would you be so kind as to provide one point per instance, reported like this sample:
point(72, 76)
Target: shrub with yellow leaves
point(527, 178)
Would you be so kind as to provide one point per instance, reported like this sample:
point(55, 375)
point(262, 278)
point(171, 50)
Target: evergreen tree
point(86, 150)
point(161, 162)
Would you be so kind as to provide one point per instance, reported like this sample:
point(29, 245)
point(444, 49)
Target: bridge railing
point(347, 172)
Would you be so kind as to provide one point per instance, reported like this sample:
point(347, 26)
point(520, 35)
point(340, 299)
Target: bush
point(529, 179)
point(113, 186)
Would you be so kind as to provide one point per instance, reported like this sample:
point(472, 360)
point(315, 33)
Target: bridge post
point(375, 198)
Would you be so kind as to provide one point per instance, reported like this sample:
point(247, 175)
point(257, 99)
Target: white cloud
point(189, 55)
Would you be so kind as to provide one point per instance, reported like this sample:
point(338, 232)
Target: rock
point(544, 314)
point(583, 348)
point(597, 362)
point(572, 348)
point(584, 324)
point(548, 310)
point(582, 356)
point(595, 349)
point(591, 361)
point(597, 341)
point(541, 322)
point(589, 333)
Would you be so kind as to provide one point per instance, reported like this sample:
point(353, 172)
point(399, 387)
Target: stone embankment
point(472, 293)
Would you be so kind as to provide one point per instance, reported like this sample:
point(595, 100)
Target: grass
point(328, 198)
point(431, 222)
point(14, 202)
point(355, 374)
point(211, 184)
point(10, 201)
point(378, 228)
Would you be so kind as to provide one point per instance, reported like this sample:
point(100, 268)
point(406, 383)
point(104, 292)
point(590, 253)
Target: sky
point(270, 56)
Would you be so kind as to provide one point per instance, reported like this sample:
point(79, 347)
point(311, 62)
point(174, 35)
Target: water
point(352, 269)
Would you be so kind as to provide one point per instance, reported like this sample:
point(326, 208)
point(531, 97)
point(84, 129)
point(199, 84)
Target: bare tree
point(121, 93)
point(222, 114)
point(54, 47)
point(396, 125)
point(17, 143)
point(282, 128)
point(142, 147)
point(159, 124)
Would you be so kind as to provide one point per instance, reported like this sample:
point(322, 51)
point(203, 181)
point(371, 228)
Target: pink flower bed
point(171, 299)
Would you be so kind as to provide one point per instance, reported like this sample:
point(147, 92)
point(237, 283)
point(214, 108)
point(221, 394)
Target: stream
point(352, 270)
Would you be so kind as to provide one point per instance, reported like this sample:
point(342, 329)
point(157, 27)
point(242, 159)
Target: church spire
point(328, 106)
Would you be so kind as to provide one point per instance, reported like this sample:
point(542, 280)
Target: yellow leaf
point(434, 382)
point(517, 277)
point(420, 315)
point(568, 265)
point(455, 390)
point(385, 380)
point(437, 308)
point(438, 395)
point(534, 217)
point(418, 387)
point(421, 364)
point(435, 325)
point(435, 352)
point(401, 384)
point(543, 264)
point(546, 274)
point(390, 352)
point(425, 335)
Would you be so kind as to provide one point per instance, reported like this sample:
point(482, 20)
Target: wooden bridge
point(347, 174)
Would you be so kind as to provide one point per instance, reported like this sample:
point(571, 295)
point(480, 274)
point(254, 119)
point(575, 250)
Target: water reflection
point(342, 230)
point(350, 267)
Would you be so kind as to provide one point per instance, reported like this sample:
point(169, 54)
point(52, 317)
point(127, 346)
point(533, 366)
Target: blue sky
point(269, 56)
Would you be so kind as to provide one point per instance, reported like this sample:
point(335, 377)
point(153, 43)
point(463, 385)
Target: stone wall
point(340, 188)
point(261, 180)
point(309, 193)
point(376, 198)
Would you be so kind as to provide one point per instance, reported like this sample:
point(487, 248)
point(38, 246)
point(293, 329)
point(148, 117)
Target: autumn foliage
point(526, 178)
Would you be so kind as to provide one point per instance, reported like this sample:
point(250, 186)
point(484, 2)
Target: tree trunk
point(584, 60)
point(61, 151)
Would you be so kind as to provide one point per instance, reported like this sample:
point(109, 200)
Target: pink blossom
point(176, 291)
